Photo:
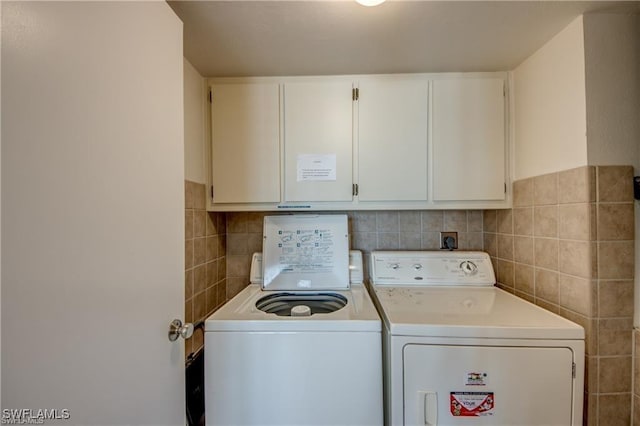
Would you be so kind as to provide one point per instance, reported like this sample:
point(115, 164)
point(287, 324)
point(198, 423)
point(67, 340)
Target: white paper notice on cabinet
point(316, 167)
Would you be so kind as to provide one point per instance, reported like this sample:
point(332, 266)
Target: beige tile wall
point(205, 262)
point(370, 230)
point(568, 246)
point(636, 378)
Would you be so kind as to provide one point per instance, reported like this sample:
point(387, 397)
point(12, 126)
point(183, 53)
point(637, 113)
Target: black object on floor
point(195, 388)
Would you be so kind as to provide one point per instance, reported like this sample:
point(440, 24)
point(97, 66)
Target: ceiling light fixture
point(369, 3)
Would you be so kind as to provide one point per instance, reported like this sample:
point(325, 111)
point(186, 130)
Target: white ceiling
point(261, 38)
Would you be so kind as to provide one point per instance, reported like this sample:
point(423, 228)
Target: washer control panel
point(472, 268)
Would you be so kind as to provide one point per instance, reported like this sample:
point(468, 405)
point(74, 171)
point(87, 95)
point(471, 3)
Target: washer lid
point(305, 252)
point(356, 273)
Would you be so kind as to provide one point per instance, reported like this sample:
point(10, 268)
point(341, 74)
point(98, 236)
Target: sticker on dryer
point(471, 404)
point(476, 378)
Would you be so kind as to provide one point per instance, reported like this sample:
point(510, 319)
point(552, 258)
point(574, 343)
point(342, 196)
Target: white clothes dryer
point(304, 346)
point(460, 351)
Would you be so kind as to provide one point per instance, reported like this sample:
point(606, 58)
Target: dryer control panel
point(431, 268)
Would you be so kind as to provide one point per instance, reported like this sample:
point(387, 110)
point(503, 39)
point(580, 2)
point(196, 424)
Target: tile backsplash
point(370, 230)
point(205, 262)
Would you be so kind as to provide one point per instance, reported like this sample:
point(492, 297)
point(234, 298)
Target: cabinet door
point(468, 136)
point(392, 140)
point(246, 143)
point(318, 141)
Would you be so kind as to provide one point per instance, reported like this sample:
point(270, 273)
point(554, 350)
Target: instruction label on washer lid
point(471, 404)
point(305, 252)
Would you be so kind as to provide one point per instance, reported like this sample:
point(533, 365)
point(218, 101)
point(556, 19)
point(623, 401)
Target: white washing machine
point(460, 351)
point(302, 346)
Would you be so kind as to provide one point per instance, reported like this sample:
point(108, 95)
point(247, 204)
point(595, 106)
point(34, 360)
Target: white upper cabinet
point(318, 140)
point(392, 139)
point(369, 142)
point(468, 139)
point(245, 143)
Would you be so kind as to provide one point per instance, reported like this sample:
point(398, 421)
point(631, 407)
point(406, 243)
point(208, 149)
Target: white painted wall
point(612, 63)
point(577, 102)
point(92, 210)
point(550, 105)
point(194, 124)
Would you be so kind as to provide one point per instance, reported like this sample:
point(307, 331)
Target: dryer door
point(494, 385)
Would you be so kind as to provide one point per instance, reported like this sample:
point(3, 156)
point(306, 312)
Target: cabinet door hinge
point(505, 187)
point(210, 96)
point(355, 94)
point(573, 370)
point(354, 190)
point(212, 192)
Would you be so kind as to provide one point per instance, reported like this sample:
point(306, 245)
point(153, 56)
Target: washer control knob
point(394, 266)
point(469, 268)
point(417, 266)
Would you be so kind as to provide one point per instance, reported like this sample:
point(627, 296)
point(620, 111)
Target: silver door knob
point(177, 329)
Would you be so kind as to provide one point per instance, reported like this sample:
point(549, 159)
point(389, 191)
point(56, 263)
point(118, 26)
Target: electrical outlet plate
point(446, 242)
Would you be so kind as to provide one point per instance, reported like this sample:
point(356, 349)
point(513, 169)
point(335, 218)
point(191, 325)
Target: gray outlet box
point(448, 240)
